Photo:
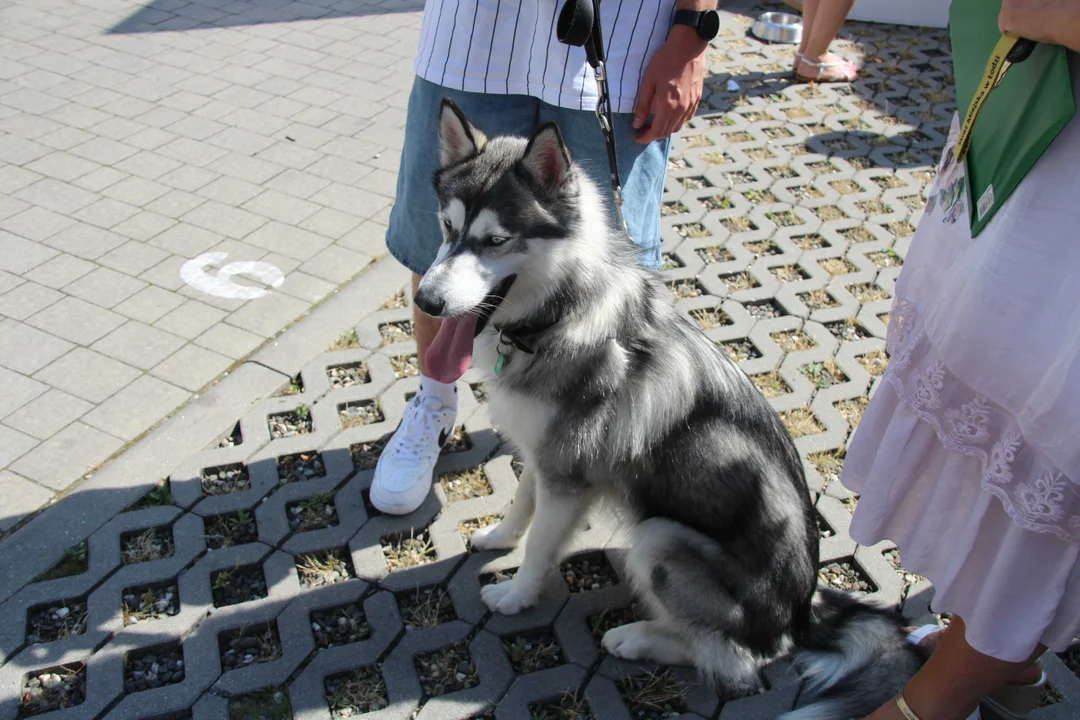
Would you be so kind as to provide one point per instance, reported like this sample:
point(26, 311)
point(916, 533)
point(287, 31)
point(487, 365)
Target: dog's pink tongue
point(450, 353)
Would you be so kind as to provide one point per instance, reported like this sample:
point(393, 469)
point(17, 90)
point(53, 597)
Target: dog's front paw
point(508, 598)
point(494, 537)
point(642, 641)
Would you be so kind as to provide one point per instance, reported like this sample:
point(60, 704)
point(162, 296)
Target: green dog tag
point(499, 365)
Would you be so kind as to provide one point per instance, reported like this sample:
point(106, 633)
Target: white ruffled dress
point(968, 457)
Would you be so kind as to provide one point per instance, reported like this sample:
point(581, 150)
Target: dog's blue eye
point(446, 224)
point(497, 239)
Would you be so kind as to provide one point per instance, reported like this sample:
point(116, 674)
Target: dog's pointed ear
point(458, 139)
point(546, 158)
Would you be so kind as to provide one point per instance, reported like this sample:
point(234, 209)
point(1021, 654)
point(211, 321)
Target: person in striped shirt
point(502, 63)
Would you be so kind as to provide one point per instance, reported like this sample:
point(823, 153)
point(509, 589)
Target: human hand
point(672, 85)
point(1048, 21)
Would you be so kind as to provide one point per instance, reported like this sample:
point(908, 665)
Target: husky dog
point(610, 393)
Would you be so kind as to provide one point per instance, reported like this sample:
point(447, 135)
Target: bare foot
point(1027, 676)
point(827, 68)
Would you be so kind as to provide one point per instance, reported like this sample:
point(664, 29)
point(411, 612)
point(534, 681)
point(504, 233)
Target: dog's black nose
point(427, 302)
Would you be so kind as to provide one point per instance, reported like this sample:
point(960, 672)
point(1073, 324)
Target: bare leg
point(556, 515)
point(822, 19)
point(949, 685)
point(425, 328)
point(508, 531)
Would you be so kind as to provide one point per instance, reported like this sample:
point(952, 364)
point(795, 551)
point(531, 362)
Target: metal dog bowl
point(778, 27)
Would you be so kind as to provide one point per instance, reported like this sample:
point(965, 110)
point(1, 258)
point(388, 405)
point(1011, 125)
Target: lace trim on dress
point(1037, 495)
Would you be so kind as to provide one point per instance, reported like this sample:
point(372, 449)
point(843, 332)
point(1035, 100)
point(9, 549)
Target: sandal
point(848, 71)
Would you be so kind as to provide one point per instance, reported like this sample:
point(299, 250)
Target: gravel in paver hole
point(360, 412)
point(739, 281)
point(153, 668)
point(893, 556)
point(715, 254)
point(465, 484)
point(255, 643)
point(343, 376)
point(406, 550)
point(709, 318)
point(654, 696)
point(823, 528)
point(290, 424)
point(446, 670)
point(396, 332)
point(300, 467)
point(468, 527)
point(56, 621)
point(150, 602)
point(325, 567)
point(771, 384)
point(425, 607)
point(313, 513)
point(823, 374)
point(241, 584)
point(233, 438)
point(817, 299)
point(294, 387)
point(395, 301)
point(532, 652)
point(231, 529)
point(340, 625)
point(683, 289)
point(52, 689)
point(266, 704)
point(139, 546)
point(793, 340)
point(225, 479)
point(845, 575)
point(571, 706)
point(876, 363)
point(848, 330)
point(588, 571)
point(365, 456)
point(813, 241)
point(356, 692)
point(601, 622)
point(405, 366)
point(740, 350)
point(801, 421)
point(852, 410)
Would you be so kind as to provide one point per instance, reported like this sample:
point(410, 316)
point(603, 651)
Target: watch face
point(709, 25)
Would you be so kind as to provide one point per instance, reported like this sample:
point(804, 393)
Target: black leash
point(579, 25)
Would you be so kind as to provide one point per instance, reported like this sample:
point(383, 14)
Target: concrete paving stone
point(149, 304)
point(62, 166)
point(47, 414)
point(13, 445)
point(18, 151)
point(136, 191)
point(36, 223)
point(229, 190)
point(188, 178)
point(84, 240)
point(224, 219)
point(340, 171)
point(332, 223)
point(75, 320)
point(229, 341)
point(19, 255)
point(144, 226)
point(191, 152)
point(23, 497)
point(281, 207)
point(8, 281)
point(148, 165)
point(268, 314)
point(59, 271)
point(244, 167)
point(288, 240)
point(190, 319)
point(306, 287)
point(336, 264)
point(368, 238)
point(67, 456)
point(132, 258)
point(26, 349)
point(297, 183)
point(240, 140)
point(185, 240)
point(350, 199)
point(87, 374)
point(138, 345)
point(137, 407)
point(103, 150)
point(105, 287)
point(175, 203)
point(27, 299)
point(192, 367)
point(166, 274)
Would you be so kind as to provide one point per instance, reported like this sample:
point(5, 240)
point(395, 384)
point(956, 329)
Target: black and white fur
point(626, 400)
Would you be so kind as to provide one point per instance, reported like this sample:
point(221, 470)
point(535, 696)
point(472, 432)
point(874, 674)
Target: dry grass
point(403, 552)
point(830, 212)
point(150, 545)
point(824, 374)
point(760, 197)
point(739, 281)
point(845, 187)
point(230, 529)
point(146, 607)
point(396, 332)
point(465, 484)
point(787, 218)
point(738, 224)
point(395, 301)
point(365, 456)
point(837, 266)
point(771, 384)
point(267, 704)
point(360, 412)
point(709, 318)
point(865, 292)
point(317, 511)
point(692, 230)
point(801, 422)
point(426, 607)
point(683, 289)
point(75, 561)
point(356, 692)
point(874, 207)
point(762, 248)
point(718, 202)
point(789, 273)
point(818, 299)
point(696, 141)
point(829, 464)
point(529, 655)
point(793, 340)
point(571, 706)
point(323, 568)
point(656, 692)
point(858, 234)
point(468, 527)
point(345, 341)
point(901, 228)
point(813, 241)
point(876, 363)
point(852, 410)
point(446, 670)
point(715, 254)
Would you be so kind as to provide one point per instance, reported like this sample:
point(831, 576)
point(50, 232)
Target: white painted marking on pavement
point(193, 272)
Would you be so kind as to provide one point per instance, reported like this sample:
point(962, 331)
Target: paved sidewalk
point(228, 563)
point(137, 141)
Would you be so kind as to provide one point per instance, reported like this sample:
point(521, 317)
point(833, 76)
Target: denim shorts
point(414, 236)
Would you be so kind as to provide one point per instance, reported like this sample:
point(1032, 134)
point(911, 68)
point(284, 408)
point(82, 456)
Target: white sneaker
point(404, 472)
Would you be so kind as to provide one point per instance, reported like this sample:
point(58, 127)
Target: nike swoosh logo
point(443, 436)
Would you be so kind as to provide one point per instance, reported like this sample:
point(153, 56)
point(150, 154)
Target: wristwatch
point(707, 23)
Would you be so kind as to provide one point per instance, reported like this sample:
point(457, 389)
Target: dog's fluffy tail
point(854, 657)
